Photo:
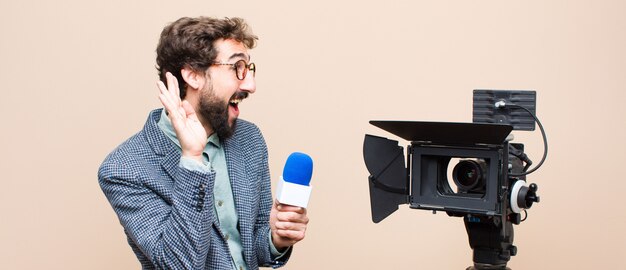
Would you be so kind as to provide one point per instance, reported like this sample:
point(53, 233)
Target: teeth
point(235, 101)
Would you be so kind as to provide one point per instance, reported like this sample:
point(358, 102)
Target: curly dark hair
point(188, 42)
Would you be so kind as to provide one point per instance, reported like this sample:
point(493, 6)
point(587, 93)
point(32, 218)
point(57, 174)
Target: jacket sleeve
point(173, 232)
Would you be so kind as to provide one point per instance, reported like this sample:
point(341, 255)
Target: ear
point(193, 78)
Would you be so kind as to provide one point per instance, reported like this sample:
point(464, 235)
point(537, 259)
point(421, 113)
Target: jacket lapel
point(238, 180)
point(161, 145)
point(241, 189)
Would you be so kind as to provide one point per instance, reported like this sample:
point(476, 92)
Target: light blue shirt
point(215, 159)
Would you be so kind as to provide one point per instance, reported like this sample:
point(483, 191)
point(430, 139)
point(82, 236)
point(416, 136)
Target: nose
point(248, 84)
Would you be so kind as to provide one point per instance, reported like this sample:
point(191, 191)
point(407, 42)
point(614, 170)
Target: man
point(192, 189)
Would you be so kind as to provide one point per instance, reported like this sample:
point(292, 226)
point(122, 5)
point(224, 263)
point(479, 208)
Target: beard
point(215, 111)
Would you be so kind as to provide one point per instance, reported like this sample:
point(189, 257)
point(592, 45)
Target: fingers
point(170, 97)
point(294, 236)
point(289, 233)
point(289, 224)
point(289, 208)
point(172, 84)
point(190, 112)
point(171, 91)
point(165, 98)
point(292, 217)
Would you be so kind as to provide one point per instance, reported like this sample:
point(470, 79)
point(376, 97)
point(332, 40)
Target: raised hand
point(288, 224)
point(189, 130)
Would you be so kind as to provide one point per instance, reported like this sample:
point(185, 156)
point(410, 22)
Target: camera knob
point(532, 194)
point(523, 197)
point(526, 197)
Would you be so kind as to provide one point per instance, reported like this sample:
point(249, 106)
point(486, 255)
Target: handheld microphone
point(293, 187)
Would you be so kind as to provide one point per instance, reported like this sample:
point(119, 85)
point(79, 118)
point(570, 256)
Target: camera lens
point(469, 174)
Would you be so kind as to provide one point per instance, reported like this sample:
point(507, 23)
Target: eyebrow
point(238, 55)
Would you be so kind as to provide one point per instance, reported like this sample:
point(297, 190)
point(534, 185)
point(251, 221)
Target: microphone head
point(298, 169)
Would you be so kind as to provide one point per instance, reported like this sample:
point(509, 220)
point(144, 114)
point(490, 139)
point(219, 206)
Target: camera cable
point(503, 104)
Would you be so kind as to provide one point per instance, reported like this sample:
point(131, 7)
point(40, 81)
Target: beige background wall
point(77, 78)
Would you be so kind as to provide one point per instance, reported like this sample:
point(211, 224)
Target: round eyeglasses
point(241, 68)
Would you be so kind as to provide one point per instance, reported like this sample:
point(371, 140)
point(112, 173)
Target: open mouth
point(237, 98)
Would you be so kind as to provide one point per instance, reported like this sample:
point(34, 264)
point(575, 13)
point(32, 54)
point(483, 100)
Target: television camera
point(468, 170)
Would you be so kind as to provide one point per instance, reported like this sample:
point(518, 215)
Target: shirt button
point(220, 202)
point(226, 237)
point(240, 267)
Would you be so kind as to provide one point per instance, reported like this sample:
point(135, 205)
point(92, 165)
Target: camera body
point(477, 178)
point(459, 168)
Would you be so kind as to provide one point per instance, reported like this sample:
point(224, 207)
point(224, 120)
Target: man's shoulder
point(245, 127)
point(247, 139)
point(124, 155)
point(136, 150)
point(132, 147)
point(248, 132)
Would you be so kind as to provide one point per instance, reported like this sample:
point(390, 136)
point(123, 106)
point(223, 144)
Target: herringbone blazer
point(167, 210)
